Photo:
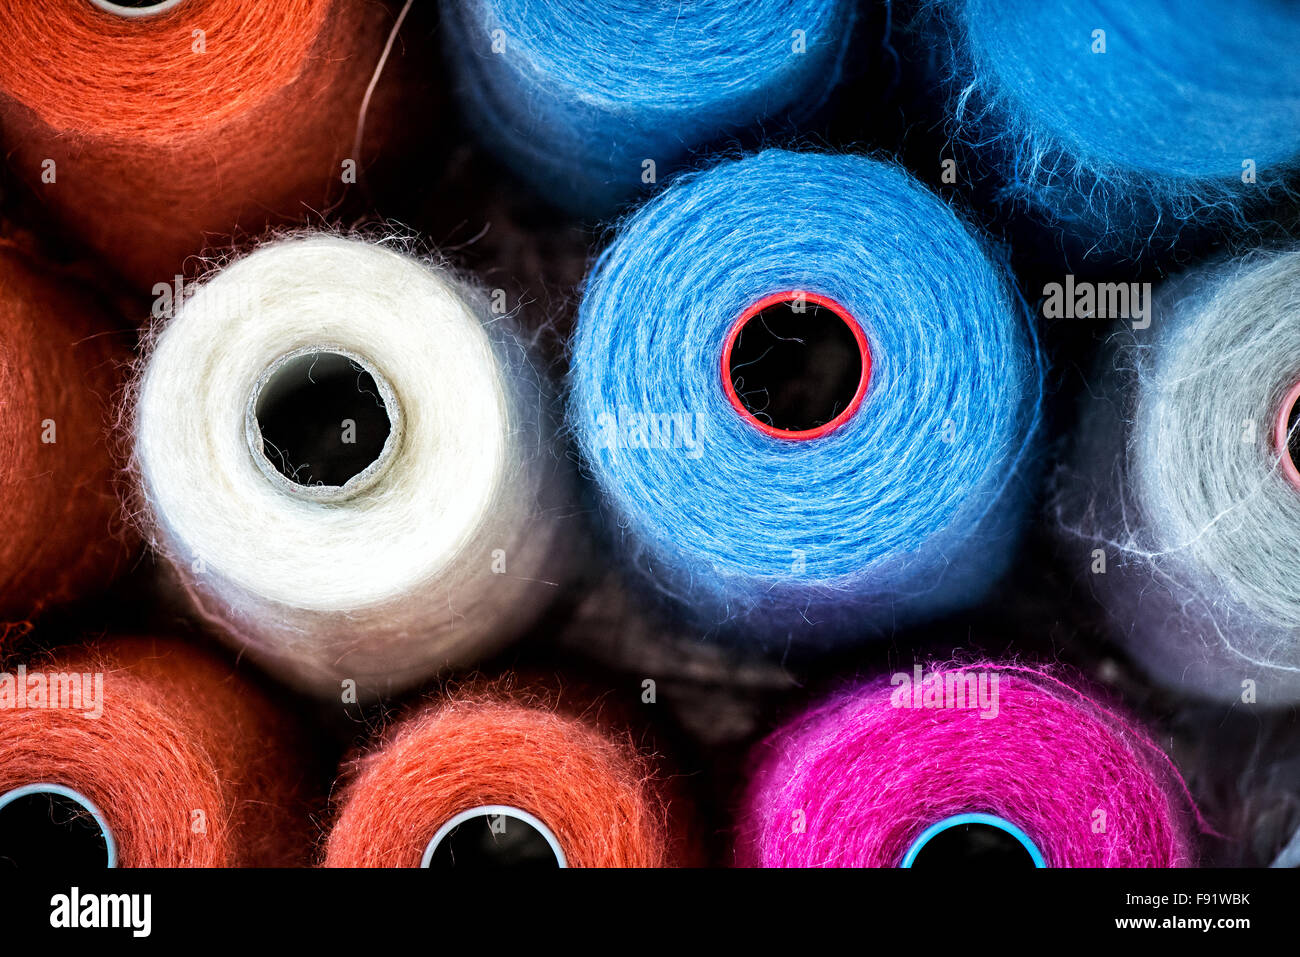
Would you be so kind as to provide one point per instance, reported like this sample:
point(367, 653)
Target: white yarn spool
point(444, 546)
point(1183, 484)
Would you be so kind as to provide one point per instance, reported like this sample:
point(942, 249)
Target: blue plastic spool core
point(27, 790)
point(989, 820)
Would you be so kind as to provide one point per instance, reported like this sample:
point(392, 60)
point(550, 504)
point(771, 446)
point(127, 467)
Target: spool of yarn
point(149, 130)
point(144, 753)
point(992, 765)
point(496, 777)
point(60, 364)
point(808, 396)
point(1184, 500)
point(351, 464)
point(1124, 123)
point(591, 103)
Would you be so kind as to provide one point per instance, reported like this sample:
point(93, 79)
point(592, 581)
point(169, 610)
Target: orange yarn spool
point(149, 136)
point(61, 364)
point(188, 766)
point(511, 761)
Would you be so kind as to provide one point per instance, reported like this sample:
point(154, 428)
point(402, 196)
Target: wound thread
point(566, 770)
point(592, 105)
point(61, 363)
point(438, 552)
point(906, 502)
point(1078, 110)
point(179, 759)
point(874, 771)
point(151, 133)
point(1180, 482)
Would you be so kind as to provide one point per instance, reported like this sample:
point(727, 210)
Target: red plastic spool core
point(783, 298)
point(1282, 434)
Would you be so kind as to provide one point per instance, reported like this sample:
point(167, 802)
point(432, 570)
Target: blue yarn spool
point(908, 507)
point(577, 96)
point(1123, 149)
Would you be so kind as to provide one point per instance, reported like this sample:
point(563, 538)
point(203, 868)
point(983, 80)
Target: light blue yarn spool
point(907, 510)
point(575, 96)
point(1123, 149)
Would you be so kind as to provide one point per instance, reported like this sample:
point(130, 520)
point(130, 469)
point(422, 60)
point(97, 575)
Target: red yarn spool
point(600, 796)
point(61, 364)
point(189, 765)
point(172, 130)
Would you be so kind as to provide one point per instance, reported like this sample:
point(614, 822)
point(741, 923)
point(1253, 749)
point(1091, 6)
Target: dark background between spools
point(711, 704)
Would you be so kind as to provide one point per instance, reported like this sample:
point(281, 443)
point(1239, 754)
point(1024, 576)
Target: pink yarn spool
point(856, 780)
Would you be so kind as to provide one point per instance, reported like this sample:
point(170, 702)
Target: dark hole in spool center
point(796, 365)
point(45, 829)
point(973, 845)
point(492, 842)
point(322, 418)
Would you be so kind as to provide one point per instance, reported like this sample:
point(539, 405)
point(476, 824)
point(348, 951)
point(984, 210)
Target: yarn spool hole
point(323, 423)
point(973, 840)
point(1286, 436)
point(136, 8)
point(494, 837)
point(52, 826)
point(796, 365)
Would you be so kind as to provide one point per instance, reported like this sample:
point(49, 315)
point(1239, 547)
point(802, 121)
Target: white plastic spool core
point(295, 423)
point(21, 808)
point(142, 9)
point(483, 816)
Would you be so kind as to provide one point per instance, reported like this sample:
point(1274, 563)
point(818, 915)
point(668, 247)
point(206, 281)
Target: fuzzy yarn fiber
point(908, 509)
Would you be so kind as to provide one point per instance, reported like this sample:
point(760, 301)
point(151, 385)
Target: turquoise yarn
point(576, 96)
point(910, 508)
point(1123, 150)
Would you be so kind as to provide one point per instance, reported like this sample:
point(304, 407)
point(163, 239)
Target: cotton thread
point(61, 365)
point(1123, 125)
point(910, 507)
point(189, 764)
point(602, 797)
point(856, 779)
point(1178, 487)
point(446, 545)
point(149, 137)
point(578, 98)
